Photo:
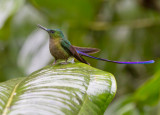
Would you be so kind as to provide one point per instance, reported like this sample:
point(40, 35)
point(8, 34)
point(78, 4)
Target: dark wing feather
point(87, 50)
point(72, 51)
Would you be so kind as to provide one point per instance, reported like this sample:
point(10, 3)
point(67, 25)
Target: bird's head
point(53, 33)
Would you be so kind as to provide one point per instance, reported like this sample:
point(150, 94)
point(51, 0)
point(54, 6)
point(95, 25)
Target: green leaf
point(60, 89)
point(147, 95)
point(149, 92)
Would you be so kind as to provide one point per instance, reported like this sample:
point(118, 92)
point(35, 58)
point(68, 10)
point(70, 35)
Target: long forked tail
point(119, 62)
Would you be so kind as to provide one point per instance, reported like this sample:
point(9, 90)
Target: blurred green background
point(124, 30)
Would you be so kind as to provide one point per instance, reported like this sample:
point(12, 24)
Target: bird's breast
point(57, 50)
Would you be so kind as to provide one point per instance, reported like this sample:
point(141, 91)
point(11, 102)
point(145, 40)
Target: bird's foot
point(64, 63)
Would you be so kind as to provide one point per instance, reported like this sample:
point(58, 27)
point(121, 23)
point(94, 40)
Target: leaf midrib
point(10, 99)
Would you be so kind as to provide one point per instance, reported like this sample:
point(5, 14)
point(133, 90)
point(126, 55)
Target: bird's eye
point(52, 31)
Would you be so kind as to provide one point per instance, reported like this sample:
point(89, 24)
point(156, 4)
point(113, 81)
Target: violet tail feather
point(119, 62)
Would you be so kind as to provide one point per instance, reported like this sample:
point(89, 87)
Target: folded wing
point(72, 51)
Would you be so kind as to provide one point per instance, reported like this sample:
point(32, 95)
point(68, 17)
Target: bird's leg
point(54, 62)
point(66, 61)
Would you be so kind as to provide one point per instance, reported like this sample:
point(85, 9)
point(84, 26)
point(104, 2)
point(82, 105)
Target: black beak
point(42, 27)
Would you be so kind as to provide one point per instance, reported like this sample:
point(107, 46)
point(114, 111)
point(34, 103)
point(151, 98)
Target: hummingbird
point(61, 48)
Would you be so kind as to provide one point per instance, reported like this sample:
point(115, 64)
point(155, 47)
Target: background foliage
point(123, 29)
